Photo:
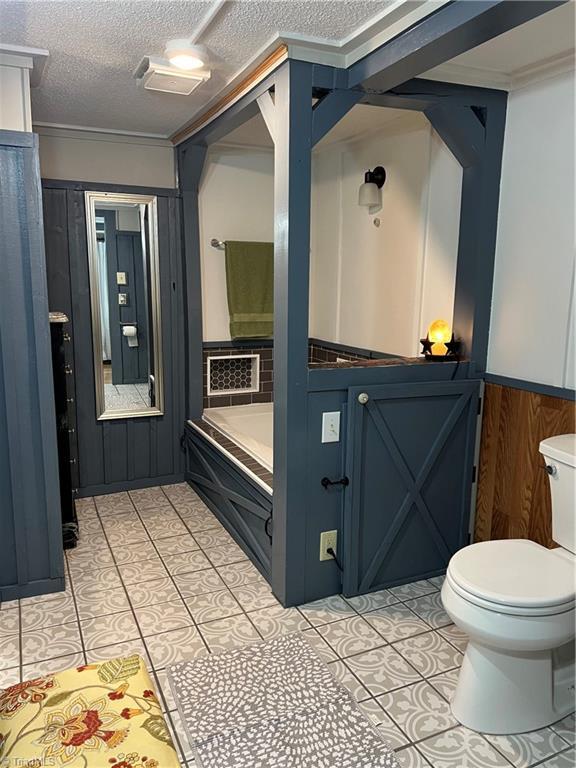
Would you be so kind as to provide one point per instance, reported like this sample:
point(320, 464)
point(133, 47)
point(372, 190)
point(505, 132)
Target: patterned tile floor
point(155, 573)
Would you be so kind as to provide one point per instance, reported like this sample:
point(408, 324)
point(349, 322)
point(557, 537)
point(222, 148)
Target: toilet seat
point(514, 576)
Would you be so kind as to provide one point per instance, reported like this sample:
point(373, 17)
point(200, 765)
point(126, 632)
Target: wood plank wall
point(513, 498)
point(121, 453)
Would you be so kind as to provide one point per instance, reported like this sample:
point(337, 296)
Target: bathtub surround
point(320, 352)
point(235, 487)
point(243, 460)
point(266, 363)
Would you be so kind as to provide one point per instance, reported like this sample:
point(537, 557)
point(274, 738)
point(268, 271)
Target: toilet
point(515, 601)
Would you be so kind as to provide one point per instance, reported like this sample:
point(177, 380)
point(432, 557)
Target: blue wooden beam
point(233, 117)
point(420, 94)
point(292, 181)
point(451, 30)
point(330, 109)
point(461, 131)
point(477, 241)
point(191, 159)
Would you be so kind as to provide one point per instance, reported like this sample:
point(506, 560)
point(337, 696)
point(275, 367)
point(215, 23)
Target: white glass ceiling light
point(369, 194)
point(181, 53)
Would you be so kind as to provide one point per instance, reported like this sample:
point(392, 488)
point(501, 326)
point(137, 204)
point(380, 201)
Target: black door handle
point(326, 482)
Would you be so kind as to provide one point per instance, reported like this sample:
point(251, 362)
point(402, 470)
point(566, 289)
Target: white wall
point(236, 202)
point(532, 323)
point(370, 287)
point(380, 287)
point(106, 157)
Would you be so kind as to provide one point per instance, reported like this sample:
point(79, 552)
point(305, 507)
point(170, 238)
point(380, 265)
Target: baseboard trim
point(129, 485)
point(531, 386)
point(32, 589)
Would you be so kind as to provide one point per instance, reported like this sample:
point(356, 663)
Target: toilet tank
point(560, 456)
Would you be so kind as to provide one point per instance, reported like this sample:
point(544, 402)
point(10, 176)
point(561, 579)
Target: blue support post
point(191, 159)
point(292, 182)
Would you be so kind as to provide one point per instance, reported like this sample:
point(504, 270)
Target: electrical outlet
point(328, 540)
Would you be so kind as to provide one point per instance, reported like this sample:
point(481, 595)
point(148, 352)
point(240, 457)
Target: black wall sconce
point(369, 194)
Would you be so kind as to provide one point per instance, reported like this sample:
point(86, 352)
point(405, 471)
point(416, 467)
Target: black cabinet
point(65, 427)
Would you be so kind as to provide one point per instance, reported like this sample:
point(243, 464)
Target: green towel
point(250, 288)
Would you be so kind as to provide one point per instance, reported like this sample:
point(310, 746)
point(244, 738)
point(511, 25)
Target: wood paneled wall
point(121, 453)
point(513, 499)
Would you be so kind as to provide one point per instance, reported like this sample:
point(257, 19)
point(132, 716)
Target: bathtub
point(249, 426)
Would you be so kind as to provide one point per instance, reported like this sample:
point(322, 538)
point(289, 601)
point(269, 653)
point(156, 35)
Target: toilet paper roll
point(131, 333)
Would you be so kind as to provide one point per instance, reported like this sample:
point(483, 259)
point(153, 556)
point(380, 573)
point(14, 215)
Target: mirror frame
point(92, 198)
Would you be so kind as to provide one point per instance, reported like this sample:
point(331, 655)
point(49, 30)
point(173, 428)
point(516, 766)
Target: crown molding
point(508, 81)
point(542, 70)
point(89, 133)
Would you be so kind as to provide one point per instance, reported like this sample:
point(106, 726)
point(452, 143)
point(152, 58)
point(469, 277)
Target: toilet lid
point(514, 572)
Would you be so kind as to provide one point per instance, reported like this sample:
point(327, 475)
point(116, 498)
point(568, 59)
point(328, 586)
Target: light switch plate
point(121, 278)
point(331, 427)
point(122, 299)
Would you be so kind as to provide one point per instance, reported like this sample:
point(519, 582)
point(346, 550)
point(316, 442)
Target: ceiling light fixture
point(183, 54)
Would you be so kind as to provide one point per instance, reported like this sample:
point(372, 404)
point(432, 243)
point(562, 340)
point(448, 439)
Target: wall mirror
point(125, 300)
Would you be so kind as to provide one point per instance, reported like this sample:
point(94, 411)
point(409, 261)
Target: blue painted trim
point(83, 186)
point(292, 193)
point(531, 386)
point(330, 110)
point(32, 589)
point(238, 113)
point(129, 485)
point(191, 159)
point(330, 379)
point(20, 139)
point(461, 130)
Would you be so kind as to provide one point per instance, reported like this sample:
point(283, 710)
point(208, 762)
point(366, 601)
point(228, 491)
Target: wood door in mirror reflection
point(124, 291)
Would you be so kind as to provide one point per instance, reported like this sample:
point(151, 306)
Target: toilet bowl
point(516, 601)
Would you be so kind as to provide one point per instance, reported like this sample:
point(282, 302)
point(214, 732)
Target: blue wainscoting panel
point(242, 507)
point(410, 463)
point(31, 554)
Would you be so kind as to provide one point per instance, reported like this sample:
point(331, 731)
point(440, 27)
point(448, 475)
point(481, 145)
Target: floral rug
point(274, 705)
point(95, 715)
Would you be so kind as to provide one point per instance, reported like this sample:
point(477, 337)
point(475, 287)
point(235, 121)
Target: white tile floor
point(155, 573)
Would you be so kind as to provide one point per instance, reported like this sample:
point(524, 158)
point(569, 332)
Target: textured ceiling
point(95, 45)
